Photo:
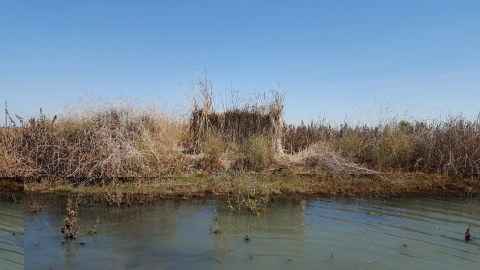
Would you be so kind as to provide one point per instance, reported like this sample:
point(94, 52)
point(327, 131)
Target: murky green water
point(324, 233)
point(11, 234)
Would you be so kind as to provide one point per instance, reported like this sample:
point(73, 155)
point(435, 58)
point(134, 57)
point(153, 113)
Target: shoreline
point(132, 191)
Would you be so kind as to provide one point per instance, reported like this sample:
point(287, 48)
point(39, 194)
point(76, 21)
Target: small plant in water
point(467, 233)
point(70, 221)
point(93, 229)
point(248, 195)
point(217, 230)
point(255, 204)
point(72, 228)
point(35, 208)
point(258, 204)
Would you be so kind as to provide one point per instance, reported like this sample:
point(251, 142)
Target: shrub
point(213, 148)
point(255, 154)
point(394, 150)
point(352, 145)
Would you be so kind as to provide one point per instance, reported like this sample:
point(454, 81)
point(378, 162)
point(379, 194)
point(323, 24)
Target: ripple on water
point(338, 233)
point(397, 233)
point(11, 235)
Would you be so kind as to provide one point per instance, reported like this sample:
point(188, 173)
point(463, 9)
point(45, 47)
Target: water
point(11, 234)
point(325, 233)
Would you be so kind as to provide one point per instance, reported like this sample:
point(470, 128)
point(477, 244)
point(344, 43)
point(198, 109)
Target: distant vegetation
point(118, 140)
point(449, 146)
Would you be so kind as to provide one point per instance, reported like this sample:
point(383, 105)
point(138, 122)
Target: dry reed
point(242, 119)
point(449, 146)
point(108, 140)
point(121, 141)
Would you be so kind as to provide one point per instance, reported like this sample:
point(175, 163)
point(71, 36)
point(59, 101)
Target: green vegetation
point(250, 191)
point(255, 154)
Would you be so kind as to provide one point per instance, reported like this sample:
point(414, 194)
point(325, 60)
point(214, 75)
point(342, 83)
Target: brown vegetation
point(120, 141)
point(11, 189)
point(11, 185)
point(94, 227)
point(34, 208)
point(450, 146)
point(71, 220)
point(109, 140)
point(257, 117)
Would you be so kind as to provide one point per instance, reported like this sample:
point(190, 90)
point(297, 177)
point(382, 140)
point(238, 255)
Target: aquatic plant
point(217, 229)
point(467, 233)
point(72, 228)
point(93, 229)
point(71, 220)
point(248, 193)
point(35, 207)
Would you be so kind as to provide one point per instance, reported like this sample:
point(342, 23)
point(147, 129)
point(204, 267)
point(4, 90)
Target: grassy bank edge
point(138, 190)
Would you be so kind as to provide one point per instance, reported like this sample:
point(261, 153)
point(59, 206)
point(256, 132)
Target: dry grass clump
point(12, 162)
point(72, 228)
point(321, 159)
point(95, 141)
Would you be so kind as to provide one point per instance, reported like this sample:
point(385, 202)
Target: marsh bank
point(128, 191)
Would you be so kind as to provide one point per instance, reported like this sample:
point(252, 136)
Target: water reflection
point(398, 233)
point(11, 232)
point(331, 233)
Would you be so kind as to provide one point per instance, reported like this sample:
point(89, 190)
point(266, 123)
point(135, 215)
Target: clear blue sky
point(337, 59)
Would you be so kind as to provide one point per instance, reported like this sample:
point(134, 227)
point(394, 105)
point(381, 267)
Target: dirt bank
point(128, 191)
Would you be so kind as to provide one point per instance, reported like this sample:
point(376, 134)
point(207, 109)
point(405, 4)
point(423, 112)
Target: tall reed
point(450, 145)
